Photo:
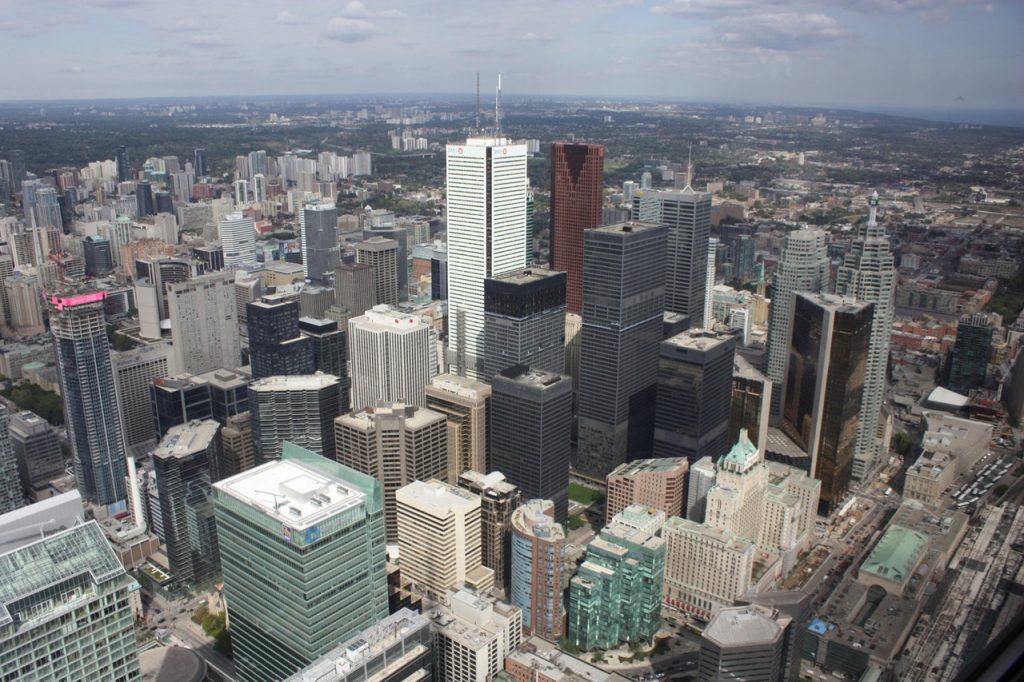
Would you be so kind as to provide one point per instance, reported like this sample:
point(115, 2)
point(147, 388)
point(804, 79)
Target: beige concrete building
point(706, 568)
point(951, 445)
point(396, 444)
point(658, 483)
point(466, 404)
point(439, 536)
point(472, 636)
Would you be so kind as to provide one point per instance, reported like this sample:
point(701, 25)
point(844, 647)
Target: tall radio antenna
point(477, 129)
point(497, 110)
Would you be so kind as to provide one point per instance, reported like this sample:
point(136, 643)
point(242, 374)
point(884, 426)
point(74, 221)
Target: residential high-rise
point(803, 266)
point(396, 444)
point(868, 273)
point(694, 395)
point(623, 303)
point(36, 449)
point(124, 172)
point(743, 643)
point(702, 479)
point(241, 192)
point(531, 433)
point(330, 351)
point(90, 399)
point(259, 187)
point(185, 463)
point(466, 405)
point(824, 386)
point(321, 252)
point(382, 255)
point(11, 497)
point(473, 634)
point(968, 363)
point(355, 287)
point(134, 370)
point(276, 347)
point(238, 239)
point(439, 537)
point(296, 408)
point(73, 634)
point(199, 163)
point(537, 549)
point(393, 357)
point(577, 197)
point(145, 203)
point(615, 596)
point(687, 215)
point(524, 321)
point(751, 402)
point(659, 483)
point(498, 499)
point(486, 186)
point(204, 324)
point(303, 558)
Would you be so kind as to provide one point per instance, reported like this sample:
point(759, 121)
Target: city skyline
point(809, 52)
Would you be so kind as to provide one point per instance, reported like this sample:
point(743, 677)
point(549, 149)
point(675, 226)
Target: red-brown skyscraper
point(577, 182)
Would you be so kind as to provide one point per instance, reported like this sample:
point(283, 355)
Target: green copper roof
point(894, 556)
point(742, 453)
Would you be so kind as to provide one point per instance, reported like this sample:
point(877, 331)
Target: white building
point(392, 357)
point(238, 238)
point(702, 478)
point(204, 324)
point(706, 568)
point(472, 636)
point(486, 181)
point(439, 537)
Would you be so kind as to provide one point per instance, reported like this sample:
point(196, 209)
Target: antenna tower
point(477, 129)
point(497, 110)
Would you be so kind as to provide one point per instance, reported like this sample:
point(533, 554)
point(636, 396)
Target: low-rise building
point(658, 483)
point(472, 636)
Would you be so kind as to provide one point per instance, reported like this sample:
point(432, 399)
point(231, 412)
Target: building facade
point(393, 357)
point(318, 233)
point(275, 345)
point(295, 408)
point(134, 370)
point(577, 198)
point(537, 548)
point(466, 404)
point(659, 483)
point(204, 324)
point(498, 500)
point(381, 254)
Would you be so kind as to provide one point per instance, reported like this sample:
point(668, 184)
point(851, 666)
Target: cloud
point(182, 26)
point(118, 4)
point(207, 41)
point(286, 17)
point(73, 69)
point(347, 30)
point(532, 37)
point(778, 32)
point(26, 30)
point(481, 52)
point(711, 7)
point(357, 10)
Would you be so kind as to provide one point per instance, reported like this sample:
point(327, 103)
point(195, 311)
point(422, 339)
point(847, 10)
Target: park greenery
point(46, 404)
point(215, 625)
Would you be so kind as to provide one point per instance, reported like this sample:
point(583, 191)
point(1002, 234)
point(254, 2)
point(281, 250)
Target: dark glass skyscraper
point(694, 395)
point(330, 351)
point(199, 164)
point(90, 403)
point(124, 172)
point(687, 214)
point(144, 203)
point(577, 184)
point(623, 304)
point(99, 259)
point(319, 239)
point(825, 385)
point(968, 362)
point(531, 432)
point(524, 321)
point(177, 401)
point(275, 345)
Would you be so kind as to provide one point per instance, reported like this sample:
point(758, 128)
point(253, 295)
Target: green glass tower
point(302, 553)
point(616, 595)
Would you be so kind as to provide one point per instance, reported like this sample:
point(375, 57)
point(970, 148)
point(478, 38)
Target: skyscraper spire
point(497, 110)
point(689, 168)
point(476, 129)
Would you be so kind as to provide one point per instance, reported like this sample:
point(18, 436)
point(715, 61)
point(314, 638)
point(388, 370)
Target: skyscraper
point(275, 345)
point(200, 168)
point(687, 215)
point(36, 449)
point(123, 167)
point(803, 266)
point(238, 238)
point(577, 196)
point(968, 363)
point(86, 628)
point(498, 499)
point(134, 369)
point(10, 484)
point(694, 395)
point(330, 351)
point(400, 235)
point(744, 642)
point(178, 400)
point(99, 259)
point(185, 463)
point(538, 546)
point(296, 408)
point(623, 303)
point(303, 557)
point(466, 404)
point(382, 255)
point(203, 321)
point(90, 399)
point(824, 387)
point(396, 444)
point(355, 287)
point(751, 402)
point(524, 321)
point(319, 240)
point(868, 273)
point(531, 432)
point(393, 357)
point(486, 184)
point(145, 203)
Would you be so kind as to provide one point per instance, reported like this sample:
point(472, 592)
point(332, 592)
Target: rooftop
point(437, 498)
point(625, 228)
point(295, 382)
point(385, 317)
point(742, 456)
point(698, 339)
point(534, 517)
point(653, 465)
point(187, 439)
point(292, 492)
point(27, 524)
point(896, 554)
point(532, 274)
point(742, 626)
point(552, 663)
point(524, 374)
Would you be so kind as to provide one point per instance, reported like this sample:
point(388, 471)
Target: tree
point(901, 443)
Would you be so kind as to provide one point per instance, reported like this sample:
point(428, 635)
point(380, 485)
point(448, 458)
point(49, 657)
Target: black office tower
point(531, 432)
point(144, 203)
point(199, 164)
point(524, 321)
point(163, 202)
point(330, 351)
point(124, 173)
point(177, 401)
point(694, 395)
point(276, 348)
point(623, 301)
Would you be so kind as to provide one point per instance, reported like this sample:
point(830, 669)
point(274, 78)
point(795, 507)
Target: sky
point(856, 53)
